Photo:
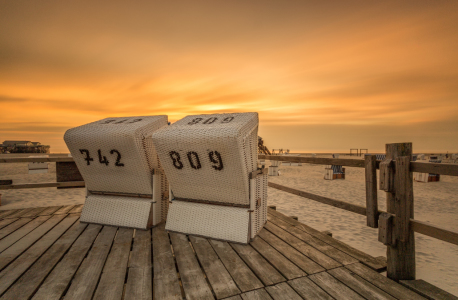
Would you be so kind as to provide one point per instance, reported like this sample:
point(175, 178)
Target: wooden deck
point(45, 253)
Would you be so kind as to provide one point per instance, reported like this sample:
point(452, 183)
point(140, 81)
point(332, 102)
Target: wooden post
point(399, 201)
point(371, 191)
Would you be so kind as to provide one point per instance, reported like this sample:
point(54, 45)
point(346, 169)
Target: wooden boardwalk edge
point(288, 260)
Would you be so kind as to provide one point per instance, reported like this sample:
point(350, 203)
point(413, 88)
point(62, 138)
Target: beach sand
point(435, 202)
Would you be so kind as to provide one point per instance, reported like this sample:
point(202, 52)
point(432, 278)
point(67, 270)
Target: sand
point(435, 202)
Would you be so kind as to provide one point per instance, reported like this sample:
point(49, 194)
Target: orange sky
point(323, 76)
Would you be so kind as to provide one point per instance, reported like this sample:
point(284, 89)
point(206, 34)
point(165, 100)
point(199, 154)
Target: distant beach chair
point(429, 177)
point(334, 172)
point(273, 168)
point(119, 164)
point(211, 164)
point(38, 167)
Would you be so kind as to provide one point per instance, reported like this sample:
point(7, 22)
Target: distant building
point(23, 147)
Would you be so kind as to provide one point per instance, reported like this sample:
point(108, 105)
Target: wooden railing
point(397, 225)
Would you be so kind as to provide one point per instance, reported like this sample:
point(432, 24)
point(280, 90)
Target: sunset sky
point(324, 76)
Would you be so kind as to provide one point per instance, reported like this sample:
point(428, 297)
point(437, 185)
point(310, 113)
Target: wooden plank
point(22, 231)
point(11, 253)
point(33, 213)
point(315, 255)
point(288, 269)
point(308, 290)
point(242, 275)
point(385, 231)
point(385, 284)
point(434, 231)
point(18, 223)
point(443, 169)
point(14, 270)
point(111, 285)
point(194, 284)
point(318, 244)
point(221, 282)
point(299, 259)
point(31, 280)
point(357, 163)
point(334, 287)
point(427, 290)
point(76, 209)
point(165, 280)
point(139, 286)
point(57, 282)
point(359, 255)
point(403, 198)
point(141, 250)
point(6, 222)
point(359, 285)
point(35, 159)
point(234, 298)
point(260, 294)
point(64, 210)
point(49, 210)
point(87, 276)
point(325, 200)
point(18, 213)
point(282, 291)
point(371, 191)
point(42, 185)
point(4, 213)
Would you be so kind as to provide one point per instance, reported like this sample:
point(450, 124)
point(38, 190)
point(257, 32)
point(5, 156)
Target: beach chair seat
point(334, 172)
point(217, 190)
point(119, 164)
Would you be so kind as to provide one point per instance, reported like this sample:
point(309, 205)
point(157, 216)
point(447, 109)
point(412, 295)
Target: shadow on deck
point(45, 253)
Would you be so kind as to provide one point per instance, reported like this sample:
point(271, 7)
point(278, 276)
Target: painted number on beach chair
point(102, 159)
point(121, 121)
point(210, 120)
point(194, 160)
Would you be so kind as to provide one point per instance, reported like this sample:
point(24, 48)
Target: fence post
point(399, 201)
point(371, 191)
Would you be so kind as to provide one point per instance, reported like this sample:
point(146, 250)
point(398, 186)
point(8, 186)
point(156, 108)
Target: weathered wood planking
point(221, 282)
point(139, 278)
point(59, 279)
point(242, 275)
point(18, 223)
point(300, 260)
point(334, 287)
point(14, 270)
point(323, 247)
point(111, 283)
point(443, 169)
point(359, 255)
point(76, 209)
point(389, 286)
point(64, 210)
point(31, 280)
point(281, 263)
point(428, 290)
point(18, 213)
point(165, 281)
point(282, 291)
point(6, 222)
point(50, 210)
point(314, 254)
point(18, 234)
point(361, 286)
point(4, 213)
point(33, 213)
point(192, 277)
point(316, 160)
point(308, 290)
point(260, 294)
point(35, 159)
point(86, 278)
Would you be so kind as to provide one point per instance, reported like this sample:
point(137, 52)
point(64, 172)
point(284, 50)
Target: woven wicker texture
point(213, 221)
point(116, 154)
point(123, 211)
point(209, 157)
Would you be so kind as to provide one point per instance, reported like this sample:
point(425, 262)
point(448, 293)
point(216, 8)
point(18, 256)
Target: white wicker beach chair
point(117, 159)
point(211, 164)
